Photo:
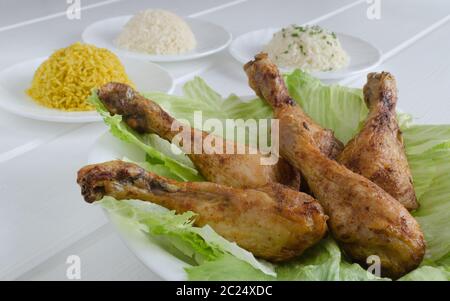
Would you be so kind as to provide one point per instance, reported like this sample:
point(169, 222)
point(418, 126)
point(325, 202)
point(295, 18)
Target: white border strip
point(55, 15)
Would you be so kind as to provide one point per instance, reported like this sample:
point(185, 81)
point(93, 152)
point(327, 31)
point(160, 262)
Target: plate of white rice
point(323, 53)
point(158, 35)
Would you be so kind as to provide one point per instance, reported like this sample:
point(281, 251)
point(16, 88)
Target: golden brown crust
point(236, 170)
point(273, 222)
point(267, 82)
point(364, 219)
point(377, 151)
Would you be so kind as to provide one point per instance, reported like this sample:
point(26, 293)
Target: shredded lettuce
point(334, 107)
point(198, 96)
point(199, 245)
point(428, 273)
point(431, 170)
point(339, 108)
point(155, 147)
point(323, 262)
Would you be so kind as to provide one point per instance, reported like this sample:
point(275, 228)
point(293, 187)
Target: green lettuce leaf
point(176, 231)
point(198, 96)
point(335, 107)
point(343, 110)
point(226, 268)
point(155, 147)
point(427, 273)
point(431, 170)
point(323, 262)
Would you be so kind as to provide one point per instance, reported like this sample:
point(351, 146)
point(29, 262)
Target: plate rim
point(152, 266)
point(129, 237)
point(127, 240)
point(161, 58)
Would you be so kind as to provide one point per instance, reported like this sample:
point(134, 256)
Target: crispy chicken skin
point(273, 222)
point(235, 170)
point(363, 218)
point(267, 82)
point(377, 151)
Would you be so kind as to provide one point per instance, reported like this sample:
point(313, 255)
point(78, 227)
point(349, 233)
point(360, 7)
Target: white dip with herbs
point(310, 48)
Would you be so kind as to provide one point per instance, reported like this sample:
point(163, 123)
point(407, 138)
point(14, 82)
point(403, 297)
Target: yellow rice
point(66, 78)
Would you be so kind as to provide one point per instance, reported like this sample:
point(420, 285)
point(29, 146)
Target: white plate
point(210, 37)
point(158, 260)
point(161, 262)
point(363, 55)
point(16, 79)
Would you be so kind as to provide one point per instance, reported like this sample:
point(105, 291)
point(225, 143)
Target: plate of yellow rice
point(56, 88)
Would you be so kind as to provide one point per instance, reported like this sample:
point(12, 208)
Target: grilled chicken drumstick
point(377, 151)
point(235, 170)
point(273, 222)
point(266, 81)
point(364, 219)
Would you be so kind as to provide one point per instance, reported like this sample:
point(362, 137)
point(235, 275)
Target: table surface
point(43, 219)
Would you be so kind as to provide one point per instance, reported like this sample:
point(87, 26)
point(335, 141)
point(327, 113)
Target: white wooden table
point(42, 216)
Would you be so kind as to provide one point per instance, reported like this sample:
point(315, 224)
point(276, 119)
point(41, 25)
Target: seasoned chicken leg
point(377, 151)
point(236, 170)
point(273, 222)
point(364, 219)
point(267, 82)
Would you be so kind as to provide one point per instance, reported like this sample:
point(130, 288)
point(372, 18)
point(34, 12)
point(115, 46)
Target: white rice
point(156, 31)
point(310, 48)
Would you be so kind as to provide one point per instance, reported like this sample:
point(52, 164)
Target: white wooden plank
point(387, 33)
point(103, 256)
point(41, 209)
point(51, 271)
point(399, 21)
point(225, 75)
point(42, 38)
point(43, 212)
point(423, 73)
point(19, 11)
point(253, 15)
point(19, 134)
